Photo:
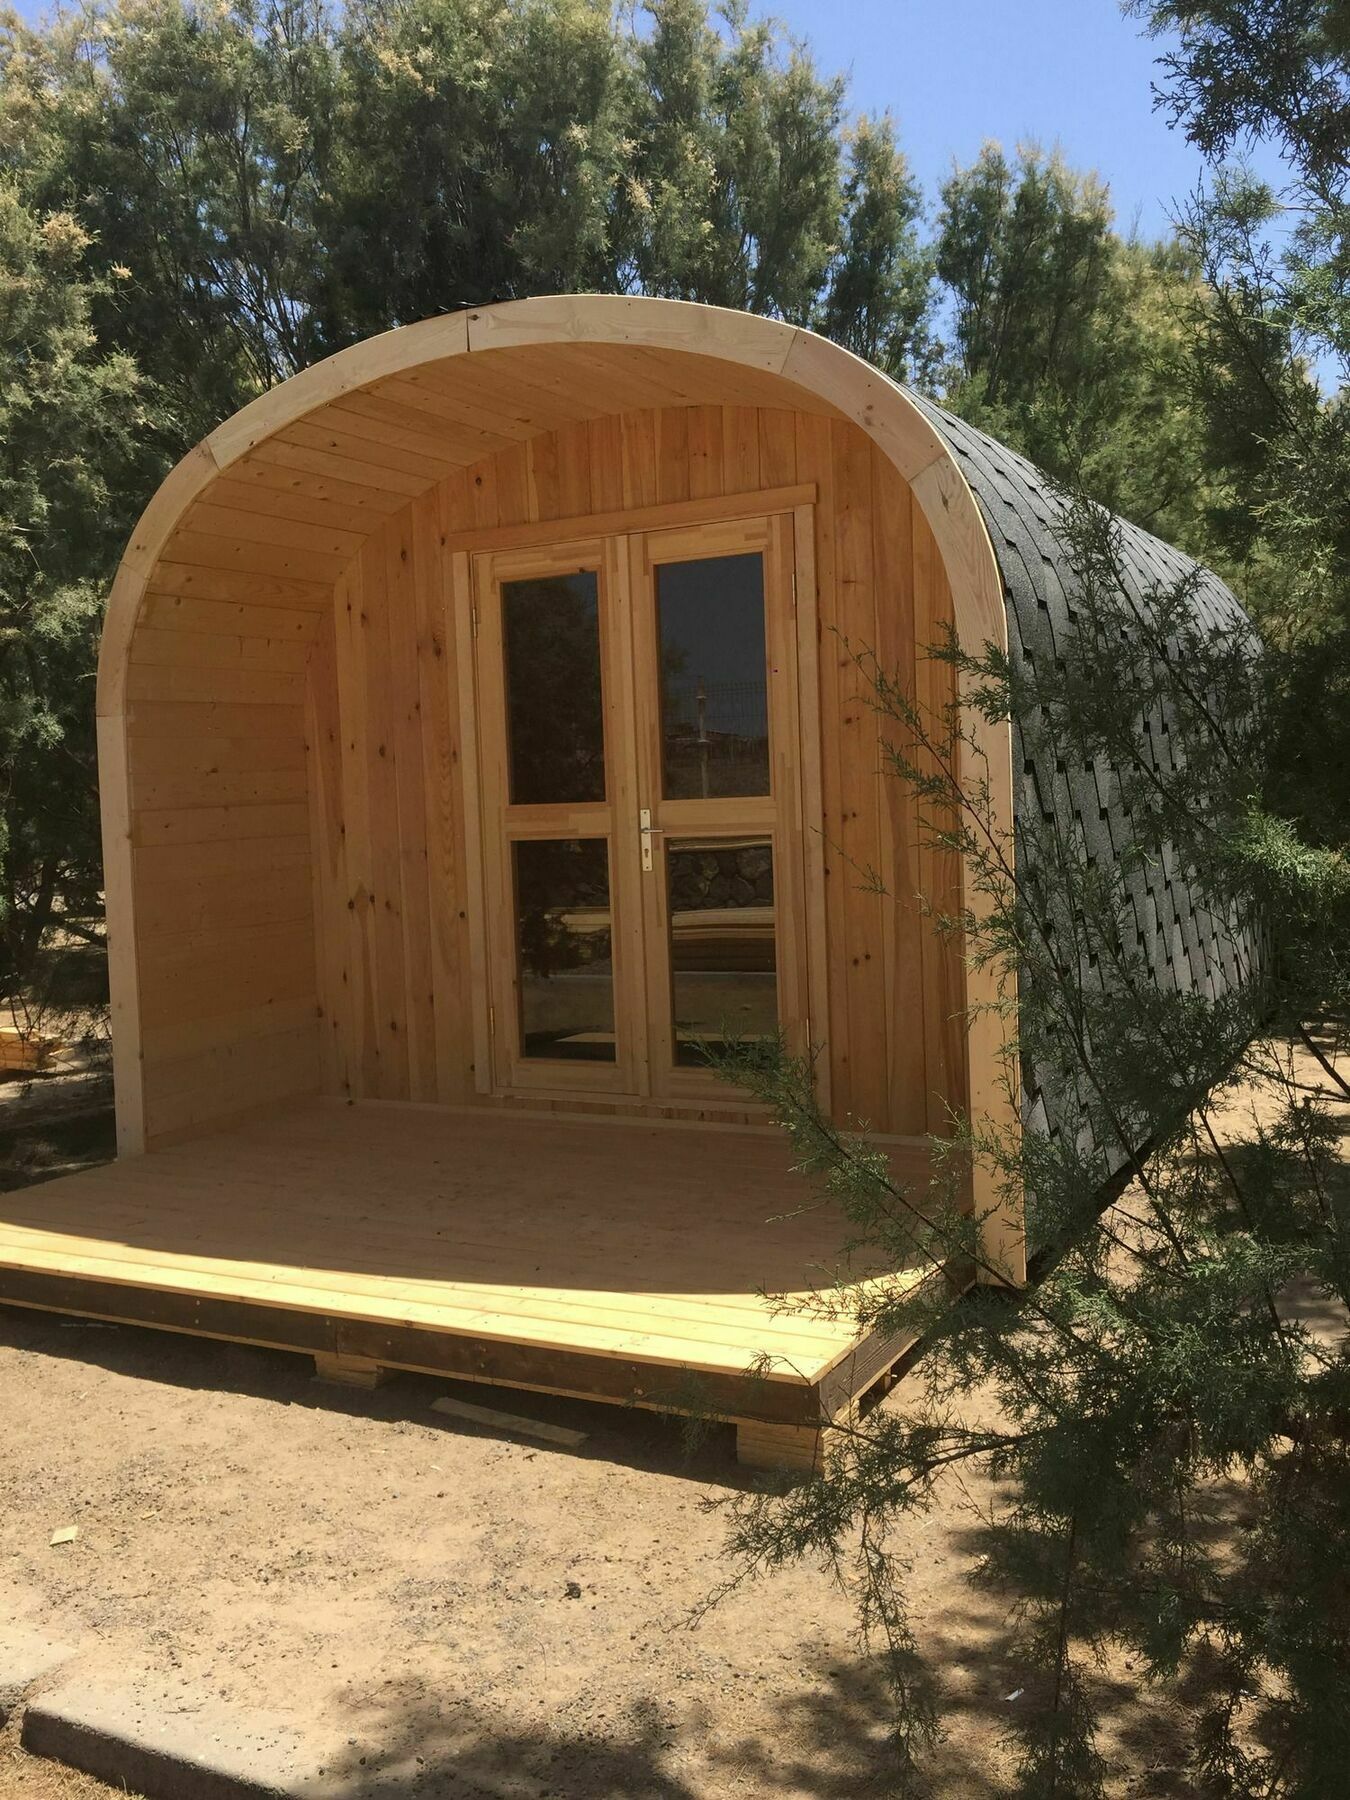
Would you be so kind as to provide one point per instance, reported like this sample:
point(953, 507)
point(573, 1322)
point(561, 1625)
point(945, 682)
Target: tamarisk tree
point(1169, 1440)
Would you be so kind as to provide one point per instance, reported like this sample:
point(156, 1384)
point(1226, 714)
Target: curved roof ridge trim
point(894, 419)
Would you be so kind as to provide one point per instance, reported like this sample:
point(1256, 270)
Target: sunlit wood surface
point(666, 1244)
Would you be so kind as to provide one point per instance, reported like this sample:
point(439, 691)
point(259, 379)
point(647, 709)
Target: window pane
point(714, 698)
point(554, 719)
point(723, 983)
point(564, 951)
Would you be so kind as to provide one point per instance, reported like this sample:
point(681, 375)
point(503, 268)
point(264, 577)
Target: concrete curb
point(169, 1746)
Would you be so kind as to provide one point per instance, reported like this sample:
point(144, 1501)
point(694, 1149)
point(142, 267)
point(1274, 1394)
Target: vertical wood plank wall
point(390, 945)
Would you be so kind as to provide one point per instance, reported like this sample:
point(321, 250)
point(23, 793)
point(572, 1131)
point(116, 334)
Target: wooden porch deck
point(610, 1259)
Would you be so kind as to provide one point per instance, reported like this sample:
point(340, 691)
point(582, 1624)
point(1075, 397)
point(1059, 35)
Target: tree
point(71, 425)
point(734, 192)
point(1271, 365)
point(1270, 372)
point(281, 180)
point(1069, 341)
point(880, 288)
point(1171, 1440)
point(502, 130)
point(190, 144)
point(1026, 253)
point(253, 185)
point(1276, 69)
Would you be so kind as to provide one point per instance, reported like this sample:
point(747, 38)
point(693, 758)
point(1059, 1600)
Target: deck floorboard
point(622, 1239)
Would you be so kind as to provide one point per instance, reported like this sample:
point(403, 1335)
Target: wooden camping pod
point(311, 717)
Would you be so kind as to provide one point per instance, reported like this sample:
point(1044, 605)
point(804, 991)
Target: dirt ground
point(468, 1614)
point(413, 1581)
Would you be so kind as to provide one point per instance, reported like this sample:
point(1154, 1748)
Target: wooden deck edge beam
point(459, 1356)
point(780, 1425)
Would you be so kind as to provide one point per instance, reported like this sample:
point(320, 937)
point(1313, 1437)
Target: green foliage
point(1170, 1459)
point(239, 161)
point(1026, 251)
point(189, 143)
point(503, 130)
point(734, 192)
point(1270, 361)
point(880, 289)
point(1070, 342)
point(1259, 68)
point(1271, 328)
point(70, 419)
point(1172, 1445)
point(256, 184)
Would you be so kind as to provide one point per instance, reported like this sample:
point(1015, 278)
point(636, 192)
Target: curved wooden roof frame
point(684, 353)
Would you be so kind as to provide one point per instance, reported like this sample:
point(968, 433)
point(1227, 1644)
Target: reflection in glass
point(714, 697)
point(564, 951)
point(723, 984)
point(554, 719)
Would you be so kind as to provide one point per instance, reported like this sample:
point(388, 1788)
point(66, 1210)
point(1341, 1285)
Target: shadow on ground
point(830, 1740)
point(840, 1749)
point(640, 1439)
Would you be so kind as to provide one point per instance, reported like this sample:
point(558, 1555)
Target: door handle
point(646, 832)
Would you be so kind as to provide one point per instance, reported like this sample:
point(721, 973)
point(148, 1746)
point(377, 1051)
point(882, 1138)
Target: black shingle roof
point(1187, 946)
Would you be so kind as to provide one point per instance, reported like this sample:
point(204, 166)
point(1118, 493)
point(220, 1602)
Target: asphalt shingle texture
point(1187, 947)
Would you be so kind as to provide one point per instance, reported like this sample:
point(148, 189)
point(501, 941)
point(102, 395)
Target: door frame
point(800, 908)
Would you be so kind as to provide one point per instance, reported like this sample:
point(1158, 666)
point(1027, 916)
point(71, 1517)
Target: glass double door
point(637, 744)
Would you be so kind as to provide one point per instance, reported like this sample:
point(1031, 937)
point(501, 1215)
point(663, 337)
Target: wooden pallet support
point(792, 1449)
point(348, 1371)
point(20, 1051)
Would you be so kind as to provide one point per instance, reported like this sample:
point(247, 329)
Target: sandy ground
point(413, 1582)
point(462, 1613)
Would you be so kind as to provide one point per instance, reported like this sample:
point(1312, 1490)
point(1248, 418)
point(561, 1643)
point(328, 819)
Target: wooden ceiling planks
point(286, 452)
point(206, 550)
point(279, 524)
point(307, 499)
point(265, 527)
point(458, 433)
point(488, 422)
point(183, 615)
point(270, 478)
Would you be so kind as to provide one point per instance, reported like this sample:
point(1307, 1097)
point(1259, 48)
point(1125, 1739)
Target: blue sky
point(956, 72)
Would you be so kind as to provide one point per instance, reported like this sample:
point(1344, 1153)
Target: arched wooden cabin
point(478, 731)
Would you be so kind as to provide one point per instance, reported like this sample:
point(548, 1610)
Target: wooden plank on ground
point(516, 1423)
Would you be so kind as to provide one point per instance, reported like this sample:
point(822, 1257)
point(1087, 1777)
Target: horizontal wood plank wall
point(216, 691)
point(385, 751)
